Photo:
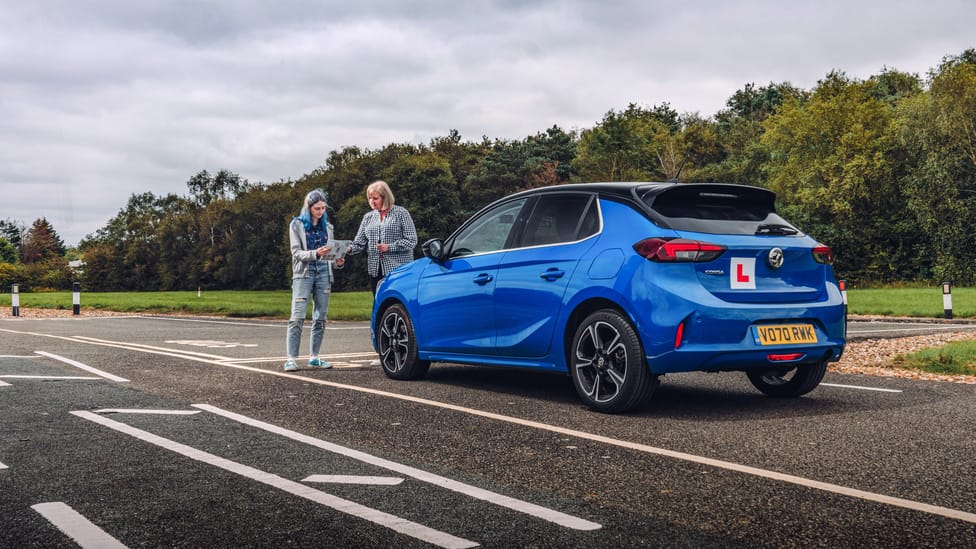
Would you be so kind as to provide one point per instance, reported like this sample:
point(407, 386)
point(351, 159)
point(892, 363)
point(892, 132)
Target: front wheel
point(397, 345)
point(788, 383)
point(607, 364)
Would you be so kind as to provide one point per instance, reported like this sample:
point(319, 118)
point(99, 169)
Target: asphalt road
point(165, 432)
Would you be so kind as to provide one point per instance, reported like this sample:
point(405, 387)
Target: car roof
point(631, 190)
point(619, 188)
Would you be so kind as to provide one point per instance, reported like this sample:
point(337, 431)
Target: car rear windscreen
point(719, 209)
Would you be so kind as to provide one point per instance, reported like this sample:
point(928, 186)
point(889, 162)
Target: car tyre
point(607, 364)
point(397, 345)
point(790, 383)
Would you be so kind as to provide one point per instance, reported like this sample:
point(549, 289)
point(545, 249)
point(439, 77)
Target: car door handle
point(483, 279)
point(552, 274)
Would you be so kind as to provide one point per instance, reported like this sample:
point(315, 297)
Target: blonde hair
point(386, 194)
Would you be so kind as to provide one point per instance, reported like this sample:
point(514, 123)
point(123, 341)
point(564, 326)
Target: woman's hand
point(319, 252)
point(383, 247)
point(340, 262)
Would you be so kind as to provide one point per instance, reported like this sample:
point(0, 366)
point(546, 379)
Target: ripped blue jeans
point(317, 287)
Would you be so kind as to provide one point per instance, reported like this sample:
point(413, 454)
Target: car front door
point(456, 296)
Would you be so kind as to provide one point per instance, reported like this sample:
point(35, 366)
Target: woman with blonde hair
point(386, 233)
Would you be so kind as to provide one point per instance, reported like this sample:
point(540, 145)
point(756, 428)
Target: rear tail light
point(822, 254)
point(677, 249)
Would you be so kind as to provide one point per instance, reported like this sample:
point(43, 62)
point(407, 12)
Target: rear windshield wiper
point(776, 229)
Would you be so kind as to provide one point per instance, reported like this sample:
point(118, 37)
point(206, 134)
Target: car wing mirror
point(434, 249)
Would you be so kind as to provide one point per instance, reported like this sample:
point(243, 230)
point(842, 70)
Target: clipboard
point(338, 249)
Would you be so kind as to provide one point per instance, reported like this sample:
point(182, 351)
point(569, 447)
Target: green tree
point(425, 186)
point(205, 188)
point(8, 252)
point(938, 130)
point(257, 225)
point(832, 164)
point(739, 128)
point(131, 235)
point(637, 144)
point(12, 232)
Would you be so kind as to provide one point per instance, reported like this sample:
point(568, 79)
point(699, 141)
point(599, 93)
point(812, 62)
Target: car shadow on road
point(534, 384)
point(686, 396)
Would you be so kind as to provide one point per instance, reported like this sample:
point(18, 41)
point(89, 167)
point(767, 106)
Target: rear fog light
point(785, 357)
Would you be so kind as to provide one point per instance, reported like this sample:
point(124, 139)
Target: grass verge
point(229, 303)
point(954, 358)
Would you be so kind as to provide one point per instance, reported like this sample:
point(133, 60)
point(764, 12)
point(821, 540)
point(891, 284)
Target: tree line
point(882, 169)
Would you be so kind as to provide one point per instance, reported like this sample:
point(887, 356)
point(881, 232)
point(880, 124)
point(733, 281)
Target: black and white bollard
point(843, 293)
point(15, 298)
point(947, 298)
point(76, 298)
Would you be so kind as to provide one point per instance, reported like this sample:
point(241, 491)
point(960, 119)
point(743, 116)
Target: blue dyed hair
point(311, 199)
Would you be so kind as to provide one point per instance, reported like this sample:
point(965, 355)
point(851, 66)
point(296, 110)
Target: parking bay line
point(76, 526)
point(398, 524)
point(514, 504)
point(353, 479)
point(880, 389)
point(755, 471)
point(25, 376)
point(85, 367)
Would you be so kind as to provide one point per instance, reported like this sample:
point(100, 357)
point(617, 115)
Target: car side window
point(560, 218)
point(489, 231)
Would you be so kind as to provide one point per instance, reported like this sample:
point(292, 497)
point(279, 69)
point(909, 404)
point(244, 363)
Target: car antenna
point(678, 172)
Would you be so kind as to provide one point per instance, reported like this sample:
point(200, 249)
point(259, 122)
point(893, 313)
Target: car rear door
point(533, 275)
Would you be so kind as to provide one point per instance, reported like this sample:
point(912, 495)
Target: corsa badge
point(742, 275)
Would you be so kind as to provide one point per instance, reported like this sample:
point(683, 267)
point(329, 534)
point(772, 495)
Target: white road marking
point(18, 376)
point(211, 343)
point(282, 325)
point(2, 466)
point(393, 522)
point(146, 411)
point(18, 356)
point(525, 507)
point(85, 367)
point(353, 479)
point(141, 347)
point(907, 329)
point(4, 383)
point(862, 388)
point(800, 481)
point(76, 526)
point(331, 357)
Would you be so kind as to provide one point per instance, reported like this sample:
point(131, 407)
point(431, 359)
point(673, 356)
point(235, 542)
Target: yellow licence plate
point(785, 334)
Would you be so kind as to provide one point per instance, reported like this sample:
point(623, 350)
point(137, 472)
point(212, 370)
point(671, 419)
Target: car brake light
point(822, 254)
point(677, 250)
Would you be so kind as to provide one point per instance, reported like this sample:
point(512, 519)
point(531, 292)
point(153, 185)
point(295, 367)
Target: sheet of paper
point(338, 249)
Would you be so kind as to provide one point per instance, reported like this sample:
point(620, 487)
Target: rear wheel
point(788, 383)
point(607, 364)
point(398, 345)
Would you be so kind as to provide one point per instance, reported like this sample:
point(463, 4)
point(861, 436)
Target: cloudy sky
point(100, 99)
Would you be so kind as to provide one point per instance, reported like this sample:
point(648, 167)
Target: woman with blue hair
point(309, 235)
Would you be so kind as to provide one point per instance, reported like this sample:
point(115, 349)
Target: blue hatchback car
point(617, 284)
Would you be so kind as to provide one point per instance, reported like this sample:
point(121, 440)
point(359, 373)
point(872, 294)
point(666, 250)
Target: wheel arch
point(581, 311)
